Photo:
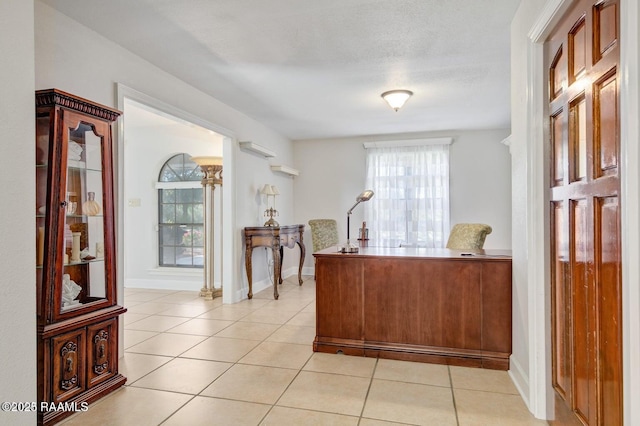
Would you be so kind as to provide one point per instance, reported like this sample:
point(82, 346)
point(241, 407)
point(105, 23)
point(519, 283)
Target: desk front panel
point(446, 309)
point(418, 302)
point(341, 299)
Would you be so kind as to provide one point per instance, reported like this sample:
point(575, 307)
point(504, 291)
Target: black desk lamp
point(350, 247)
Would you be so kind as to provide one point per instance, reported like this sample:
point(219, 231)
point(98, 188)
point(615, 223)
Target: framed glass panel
point(84, 274)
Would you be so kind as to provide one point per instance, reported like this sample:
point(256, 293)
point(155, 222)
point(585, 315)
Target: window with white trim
point(180, 214)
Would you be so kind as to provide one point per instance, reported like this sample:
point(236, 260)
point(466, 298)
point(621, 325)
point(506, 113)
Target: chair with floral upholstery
point(324, 234)
point(468, 236)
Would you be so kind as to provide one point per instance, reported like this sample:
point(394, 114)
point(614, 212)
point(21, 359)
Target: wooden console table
point(415, 304)
point(276, 238)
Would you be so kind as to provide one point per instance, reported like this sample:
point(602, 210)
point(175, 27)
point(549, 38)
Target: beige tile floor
point(194, 362)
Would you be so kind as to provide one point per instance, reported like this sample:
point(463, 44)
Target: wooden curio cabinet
point(75, 257)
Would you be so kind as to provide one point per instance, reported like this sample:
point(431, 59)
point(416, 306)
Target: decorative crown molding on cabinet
point(53, 97)
point(255, 148)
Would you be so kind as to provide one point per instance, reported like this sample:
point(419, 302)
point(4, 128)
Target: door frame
point(229, 249)
point(540, 390)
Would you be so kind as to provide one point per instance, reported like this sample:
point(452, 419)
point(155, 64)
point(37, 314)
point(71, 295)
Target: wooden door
point(582, 61)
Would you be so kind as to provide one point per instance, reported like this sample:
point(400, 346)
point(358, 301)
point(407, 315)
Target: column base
point(210, 294)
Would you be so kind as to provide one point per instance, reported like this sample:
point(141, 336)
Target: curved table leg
point(281, 259)
point(247, 265)
point(277, 270)
point(302, 253)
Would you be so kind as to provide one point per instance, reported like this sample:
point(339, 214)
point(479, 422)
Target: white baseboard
point(261, 285)
point(293, 271)
point(182, 285)
point(258, 286)
point(177, 285)
point(520, 379)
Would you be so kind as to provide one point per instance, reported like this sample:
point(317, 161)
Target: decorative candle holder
point(75, 247)
point(271, 213)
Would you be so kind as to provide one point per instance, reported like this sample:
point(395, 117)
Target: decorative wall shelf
point(258, 149)
point(286, 170)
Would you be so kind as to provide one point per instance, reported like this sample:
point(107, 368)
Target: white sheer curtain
point(411, 202)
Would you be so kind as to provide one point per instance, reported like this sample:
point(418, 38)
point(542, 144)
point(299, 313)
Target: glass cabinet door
point(83, 277)
point(42, 173)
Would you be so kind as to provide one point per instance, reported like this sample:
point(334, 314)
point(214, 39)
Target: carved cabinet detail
point(68, 369)
point(101, 356)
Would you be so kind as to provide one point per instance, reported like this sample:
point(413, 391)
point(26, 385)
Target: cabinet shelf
point(79, 304)
point(83, 169)
point(84, 262)
point(82, 216)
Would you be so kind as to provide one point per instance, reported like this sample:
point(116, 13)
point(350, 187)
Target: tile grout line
point(292, 380)
point(193, 396)
point(178, 409)
point(366, 396)
point(280, 326)
point(453, 396)
point(269, 407)
point(237, 362)
point(174, 357)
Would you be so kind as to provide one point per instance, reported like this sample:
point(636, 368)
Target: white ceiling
point(316, 68)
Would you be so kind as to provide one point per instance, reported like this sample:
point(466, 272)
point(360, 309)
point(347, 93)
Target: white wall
point(630, 194)
point(523, 20)
point(480, 183)
point(150, 139)
point(332, 174)
point(17, 174)
point(75, 59)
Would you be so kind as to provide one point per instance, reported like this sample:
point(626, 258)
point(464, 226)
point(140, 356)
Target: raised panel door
point(102, 351)
point(585, 215)
point(68, 366)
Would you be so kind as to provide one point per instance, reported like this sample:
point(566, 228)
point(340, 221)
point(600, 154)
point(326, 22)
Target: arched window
point(180, 214)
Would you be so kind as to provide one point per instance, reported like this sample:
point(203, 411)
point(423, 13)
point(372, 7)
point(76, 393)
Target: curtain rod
point(408, 142)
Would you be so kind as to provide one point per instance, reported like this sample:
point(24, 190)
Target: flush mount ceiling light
point(396, 98)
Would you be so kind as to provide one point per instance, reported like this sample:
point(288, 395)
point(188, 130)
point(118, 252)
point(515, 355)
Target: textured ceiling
point(316, 68)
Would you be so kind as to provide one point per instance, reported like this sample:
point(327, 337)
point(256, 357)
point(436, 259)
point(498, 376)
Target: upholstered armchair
point(468, 236)
point(324, 233)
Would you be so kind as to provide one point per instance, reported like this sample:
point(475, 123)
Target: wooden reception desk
point(415, 304)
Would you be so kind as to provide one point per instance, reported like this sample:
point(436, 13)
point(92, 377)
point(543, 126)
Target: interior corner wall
point(630, 195)
point(17, 174)
point(332, 174)
point(522, 339)
point(74, 58)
